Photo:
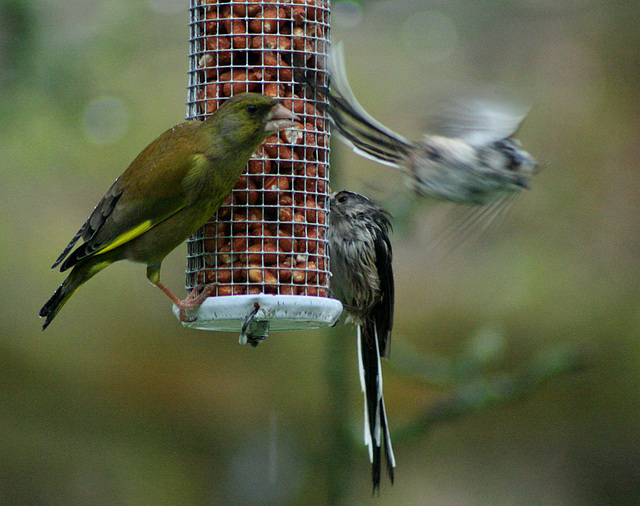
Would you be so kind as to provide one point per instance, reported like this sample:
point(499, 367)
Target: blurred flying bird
point(471, 157)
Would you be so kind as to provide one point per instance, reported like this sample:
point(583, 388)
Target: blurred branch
point(479, 392)
point(484, 347)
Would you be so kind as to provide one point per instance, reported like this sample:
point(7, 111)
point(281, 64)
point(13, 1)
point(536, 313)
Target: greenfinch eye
point(252, 109)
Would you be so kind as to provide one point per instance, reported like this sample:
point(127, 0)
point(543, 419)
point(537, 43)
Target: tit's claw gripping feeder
point(266, 248)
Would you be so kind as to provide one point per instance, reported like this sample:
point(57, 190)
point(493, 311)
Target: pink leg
point(192, 301)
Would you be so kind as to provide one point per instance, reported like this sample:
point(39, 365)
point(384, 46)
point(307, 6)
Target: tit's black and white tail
point(376, 431)
point(367, 136)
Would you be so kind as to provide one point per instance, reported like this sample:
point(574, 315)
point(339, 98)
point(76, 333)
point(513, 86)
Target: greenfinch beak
point(280, 117)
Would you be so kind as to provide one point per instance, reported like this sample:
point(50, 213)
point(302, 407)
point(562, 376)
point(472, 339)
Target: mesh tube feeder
point(265, 249)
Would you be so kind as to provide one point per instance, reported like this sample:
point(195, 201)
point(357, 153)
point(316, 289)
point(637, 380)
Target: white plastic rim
point(283, 312)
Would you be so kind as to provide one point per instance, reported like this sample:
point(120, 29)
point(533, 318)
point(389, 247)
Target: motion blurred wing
point(478, 120)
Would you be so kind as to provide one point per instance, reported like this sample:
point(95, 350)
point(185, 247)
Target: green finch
point(169, 191)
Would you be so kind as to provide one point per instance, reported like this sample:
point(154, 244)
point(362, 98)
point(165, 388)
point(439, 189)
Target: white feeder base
point(281, 312)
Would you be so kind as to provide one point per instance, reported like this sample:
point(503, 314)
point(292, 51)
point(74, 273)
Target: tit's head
point(509, 156)
point(349, 205)
point(346, 206)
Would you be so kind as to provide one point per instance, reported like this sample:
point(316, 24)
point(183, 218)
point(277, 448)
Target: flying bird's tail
point(359, 129)
point(376, 431)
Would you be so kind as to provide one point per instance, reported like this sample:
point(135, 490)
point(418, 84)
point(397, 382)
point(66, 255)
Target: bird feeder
point(266, 248)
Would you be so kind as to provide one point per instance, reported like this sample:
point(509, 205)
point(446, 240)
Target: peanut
point(224, 290)
point(255, 274)
point(268, 21)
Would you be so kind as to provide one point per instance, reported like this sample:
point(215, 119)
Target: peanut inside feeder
point(268, 238)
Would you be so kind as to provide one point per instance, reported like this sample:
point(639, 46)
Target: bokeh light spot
point(346, 14)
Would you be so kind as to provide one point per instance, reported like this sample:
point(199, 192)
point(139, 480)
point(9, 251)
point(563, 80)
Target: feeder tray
point(266, 248)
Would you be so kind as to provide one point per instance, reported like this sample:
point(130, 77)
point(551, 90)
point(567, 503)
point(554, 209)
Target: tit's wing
point(138, 200)
point(477, 120)
point(367, 136)
point(383, 312)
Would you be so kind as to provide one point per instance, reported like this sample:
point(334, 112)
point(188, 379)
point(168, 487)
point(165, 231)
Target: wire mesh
point(269, 235)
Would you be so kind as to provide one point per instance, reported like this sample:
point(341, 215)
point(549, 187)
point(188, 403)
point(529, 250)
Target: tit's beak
point(279, 118)
point(523, 183)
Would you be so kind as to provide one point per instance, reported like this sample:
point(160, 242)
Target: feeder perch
point(266, 248)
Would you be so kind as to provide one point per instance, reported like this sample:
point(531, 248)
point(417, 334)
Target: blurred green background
point(117, 404)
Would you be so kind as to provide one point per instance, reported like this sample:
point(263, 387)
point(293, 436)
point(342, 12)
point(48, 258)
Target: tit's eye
point(514, 159)
point(514, 163)
point(252, 109)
